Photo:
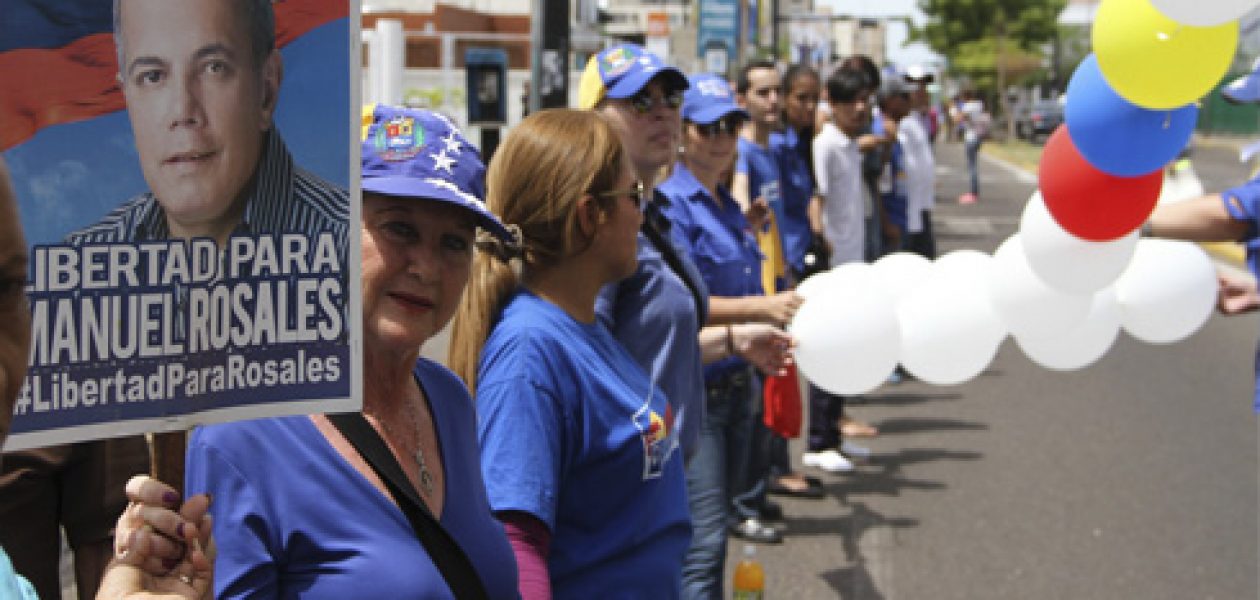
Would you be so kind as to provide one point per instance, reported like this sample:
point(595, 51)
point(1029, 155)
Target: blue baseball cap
point(708, 99)
point(620, 72)
point(1245, 89)
point(420, 154)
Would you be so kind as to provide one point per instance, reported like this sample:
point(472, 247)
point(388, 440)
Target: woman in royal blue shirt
point(709, 225)
point(579, 451)
point(298, 510)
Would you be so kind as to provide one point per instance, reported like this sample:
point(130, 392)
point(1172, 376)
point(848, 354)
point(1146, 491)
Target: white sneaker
point(854, 450)
point(828, 460)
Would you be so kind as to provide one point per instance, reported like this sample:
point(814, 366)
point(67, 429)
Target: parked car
point(1040, 120)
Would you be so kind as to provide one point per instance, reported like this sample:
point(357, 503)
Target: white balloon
point(1203, 14)
point(1168, 291)
point(847, 275)
point(900, 272)
point(808, 286)
point(1026, 304)
point(847, 337)
point(1066, 262)
point(949, 330)
point(1079, 346)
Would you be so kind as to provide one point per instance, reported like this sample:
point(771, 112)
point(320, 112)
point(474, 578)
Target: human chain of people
point(633, 289)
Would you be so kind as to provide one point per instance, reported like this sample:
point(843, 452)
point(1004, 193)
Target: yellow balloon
point(1156, 62)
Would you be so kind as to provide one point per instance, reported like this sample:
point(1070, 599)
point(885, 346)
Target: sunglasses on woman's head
point(728, 126)
point(643, 102)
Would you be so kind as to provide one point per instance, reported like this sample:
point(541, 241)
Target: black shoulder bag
point(446, 555)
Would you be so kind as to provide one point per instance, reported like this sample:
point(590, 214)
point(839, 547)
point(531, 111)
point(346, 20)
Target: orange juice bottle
point(750, 580)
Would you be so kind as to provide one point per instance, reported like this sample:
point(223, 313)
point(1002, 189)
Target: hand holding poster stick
point(166, 453)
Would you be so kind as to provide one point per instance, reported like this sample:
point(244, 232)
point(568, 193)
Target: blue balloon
point(1116, 136)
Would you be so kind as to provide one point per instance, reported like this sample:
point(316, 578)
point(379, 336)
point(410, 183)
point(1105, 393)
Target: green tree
point(993, 43)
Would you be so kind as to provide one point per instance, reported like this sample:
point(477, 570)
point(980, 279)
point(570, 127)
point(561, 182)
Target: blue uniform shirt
point(720, 241)
point(796, 187)
point(574, 433)
point(653, 313)
point(762, 167)
point(1243, 204)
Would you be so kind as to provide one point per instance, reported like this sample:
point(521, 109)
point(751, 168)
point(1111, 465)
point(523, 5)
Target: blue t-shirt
point(719, 240)
point(653, 313)
point(573, 432)
point(1243, 204)
point(796, 187)
point(892, 179)
point(293, 518)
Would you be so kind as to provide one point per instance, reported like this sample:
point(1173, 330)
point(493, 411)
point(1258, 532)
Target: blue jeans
point(973, 155)
point(717, 469)
point(750, 497)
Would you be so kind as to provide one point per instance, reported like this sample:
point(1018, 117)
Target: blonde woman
point(579, 454)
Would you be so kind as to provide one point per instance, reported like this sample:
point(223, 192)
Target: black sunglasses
point(638, 194)
point(728, 126)
point(643, 102)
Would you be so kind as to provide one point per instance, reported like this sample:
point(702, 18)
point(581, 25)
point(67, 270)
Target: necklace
point(426, 476)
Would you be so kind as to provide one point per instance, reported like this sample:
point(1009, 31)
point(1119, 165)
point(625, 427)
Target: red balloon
point(1090, 203)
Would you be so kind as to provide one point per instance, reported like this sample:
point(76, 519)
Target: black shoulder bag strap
point(446, 555)
point(670, 254)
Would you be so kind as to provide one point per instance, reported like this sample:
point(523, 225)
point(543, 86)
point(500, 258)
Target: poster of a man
point(211, 283)
point(201, 100)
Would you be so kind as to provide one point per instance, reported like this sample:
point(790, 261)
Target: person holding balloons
point(838, 212)
point(711, 227)
point(1231, 215)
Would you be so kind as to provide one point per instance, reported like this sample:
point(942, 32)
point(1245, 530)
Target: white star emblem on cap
point(443, 162)
point(452, 144)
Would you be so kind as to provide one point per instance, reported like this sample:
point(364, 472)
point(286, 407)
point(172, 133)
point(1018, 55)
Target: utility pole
point(1000, 63)
point(549, 54)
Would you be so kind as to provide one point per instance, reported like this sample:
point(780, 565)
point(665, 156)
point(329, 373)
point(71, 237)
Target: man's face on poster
point(199, 100)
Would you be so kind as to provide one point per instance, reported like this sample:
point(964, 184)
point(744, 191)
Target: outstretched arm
point(1202, 219)
point(764, 346)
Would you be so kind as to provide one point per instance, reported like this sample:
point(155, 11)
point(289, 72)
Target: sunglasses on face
point(644, 102)
point(728, 126)
point(637, 194)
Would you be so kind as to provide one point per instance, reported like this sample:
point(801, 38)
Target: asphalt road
point(1133, 478)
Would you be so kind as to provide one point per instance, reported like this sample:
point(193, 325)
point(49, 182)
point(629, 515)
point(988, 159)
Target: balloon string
point(1168, 119)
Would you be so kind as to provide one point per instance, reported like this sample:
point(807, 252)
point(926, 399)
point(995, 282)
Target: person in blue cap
point(301, 507)
point(660, 313)
point(711, 227)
